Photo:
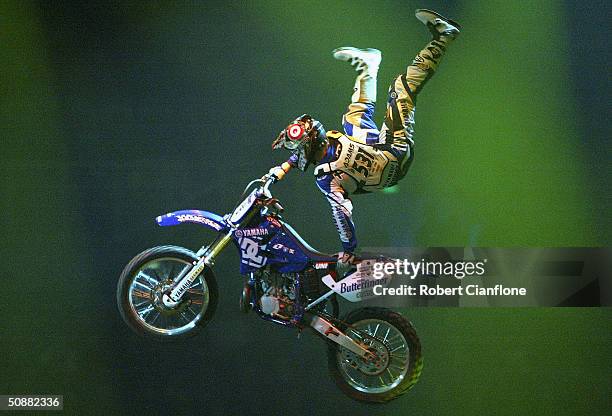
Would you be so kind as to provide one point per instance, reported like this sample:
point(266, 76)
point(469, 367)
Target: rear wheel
point(144, 281)
point(395, 345)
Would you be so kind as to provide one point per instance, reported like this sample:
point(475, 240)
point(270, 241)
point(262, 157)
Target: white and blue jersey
point(364, 158)
point(351, 166)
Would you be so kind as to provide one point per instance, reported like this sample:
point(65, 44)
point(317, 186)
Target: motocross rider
point(364, 159)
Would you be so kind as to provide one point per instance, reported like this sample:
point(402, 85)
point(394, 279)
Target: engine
point(278, 294)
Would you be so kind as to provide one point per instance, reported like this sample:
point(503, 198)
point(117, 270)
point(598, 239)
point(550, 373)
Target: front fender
point(205, 218)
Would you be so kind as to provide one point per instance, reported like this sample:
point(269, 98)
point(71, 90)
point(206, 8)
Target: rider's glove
point(346, 261)
point(278, 172)
point(346, 257)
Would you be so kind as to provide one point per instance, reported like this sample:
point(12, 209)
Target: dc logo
point(250, 253)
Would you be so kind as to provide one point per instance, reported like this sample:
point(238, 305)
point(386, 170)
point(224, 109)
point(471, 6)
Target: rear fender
point(205, 218)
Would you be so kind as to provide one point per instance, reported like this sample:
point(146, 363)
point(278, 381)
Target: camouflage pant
point(398, 128)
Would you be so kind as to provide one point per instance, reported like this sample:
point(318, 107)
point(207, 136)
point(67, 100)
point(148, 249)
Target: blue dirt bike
point(169, 292)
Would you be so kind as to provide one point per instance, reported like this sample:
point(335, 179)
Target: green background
point(113, 113)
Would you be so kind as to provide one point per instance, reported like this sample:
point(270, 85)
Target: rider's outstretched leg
point(358, 121)
point(398, 128)
point(399, 120)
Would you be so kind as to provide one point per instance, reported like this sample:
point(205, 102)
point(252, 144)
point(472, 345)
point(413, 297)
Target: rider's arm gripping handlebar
point(276, 174)
point(280, 171)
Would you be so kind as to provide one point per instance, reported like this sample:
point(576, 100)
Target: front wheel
point(144, 281)
point(393, 341)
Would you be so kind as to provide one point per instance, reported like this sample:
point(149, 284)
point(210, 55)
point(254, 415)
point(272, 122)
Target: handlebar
point(275, 174)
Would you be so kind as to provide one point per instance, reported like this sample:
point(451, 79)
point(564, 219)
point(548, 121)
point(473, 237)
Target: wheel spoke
point(396, 367)
point(152, 282)
point(139, 306)
point(192, 311)
point(145, 311)
point(392, 377)
point(397, 348)
point(142, 285)
point(141, 294)
point(156, 317)
point(364, 379)
point(402, 357)
point(357, 335)
point(394, 337)
point(185, 317)
point(196, 285)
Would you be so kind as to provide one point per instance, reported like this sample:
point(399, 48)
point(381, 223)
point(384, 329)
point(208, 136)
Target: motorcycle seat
point(314, 254)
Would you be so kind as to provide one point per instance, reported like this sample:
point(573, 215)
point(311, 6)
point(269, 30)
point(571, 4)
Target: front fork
point(207, 259)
